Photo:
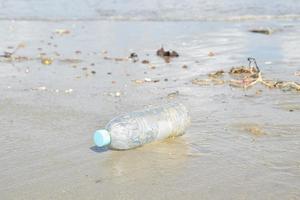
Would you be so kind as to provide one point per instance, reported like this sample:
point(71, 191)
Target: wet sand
point(242, 144)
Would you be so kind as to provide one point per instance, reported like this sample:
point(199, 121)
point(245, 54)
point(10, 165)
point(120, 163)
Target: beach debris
point(9, 54)
point(245, 77)
point(46, 61)
point(201, 81)
point(115, 58)
point(152, 66)
point(254, 129)
point(211, 54)
point(40, 88)
point(71, 60)
point(62, 31)
point(145, 61)
point(104, 51)
point(166, 55)
point(139, 81)
point(210, 81)
point(266, 31)
point(134, 57)
point(216, 74)
point(172, 95)
point(68, 91)
point(147, 79)
point(115, 94)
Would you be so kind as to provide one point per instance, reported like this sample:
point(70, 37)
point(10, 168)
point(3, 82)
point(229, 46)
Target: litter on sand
point(166, 55)
point(246, 77)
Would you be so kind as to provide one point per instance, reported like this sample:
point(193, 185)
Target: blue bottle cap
point(101, 138)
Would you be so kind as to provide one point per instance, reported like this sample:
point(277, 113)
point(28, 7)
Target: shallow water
point(46, 147)
point(149, 10)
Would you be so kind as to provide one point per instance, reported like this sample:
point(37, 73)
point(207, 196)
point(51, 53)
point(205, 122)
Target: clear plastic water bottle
point(141, 127)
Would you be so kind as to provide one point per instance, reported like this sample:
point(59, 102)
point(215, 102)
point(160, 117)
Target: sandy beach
point(242, 143)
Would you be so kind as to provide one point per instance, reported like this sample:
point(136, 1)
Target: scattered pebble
point(93, 72)
point(115, 94)
point(297, 73)
point(210, 54)
point(139, 81)
point(266, 31)
point(40, 88)
point(108, 73)
point(173, 94)
point(254, 130)
point(145, 61)
point(62, 31)
point(134, 57)
point(166, 55)
point(147, 79)
point(68, 91)
point(46, 61)
point(184, 66)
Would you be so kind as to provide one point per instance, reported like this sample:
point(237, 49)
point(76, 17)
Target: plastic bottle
point(140, 127)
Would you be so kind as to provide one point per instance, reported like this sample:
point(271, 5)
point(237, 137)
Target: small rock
point(41, 88)
point(145, 62)
point(210, 54)
point(118, 94)
point(147, 79)
point(62, 31)
point(184, 66)
point(46, 61)
point(68, 91)
point(134, 57)
point(266, 31)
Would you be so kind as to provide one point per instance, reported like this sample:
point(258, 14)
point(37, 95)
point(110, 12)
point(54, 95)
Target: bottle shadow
point(99, 149)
